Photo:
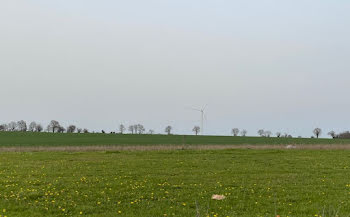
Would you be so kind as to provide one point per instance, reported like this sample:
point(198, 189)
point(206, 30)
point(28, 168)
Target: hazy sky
point(277, 65)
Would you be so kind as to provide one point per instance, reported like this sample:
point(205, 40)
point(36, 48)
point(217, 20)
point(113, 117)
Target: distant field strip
point(167, 147)
point(97, 139)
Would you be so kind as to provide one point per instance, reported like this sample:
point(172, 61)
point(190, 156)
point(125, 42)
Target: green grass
point(50, 139)
point(176, 183)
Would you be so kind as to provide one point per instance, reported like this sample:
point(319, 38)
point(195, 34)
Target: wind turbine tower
point(203, 116)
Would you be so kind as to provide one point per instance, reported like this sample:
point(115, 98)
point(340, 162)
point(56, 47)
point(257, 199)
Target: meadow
point(75, 139)
point(176, 183)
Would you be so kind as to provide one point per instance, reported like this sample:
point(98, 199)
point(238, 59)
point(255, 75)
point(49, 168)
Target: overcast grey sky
point(277, 65)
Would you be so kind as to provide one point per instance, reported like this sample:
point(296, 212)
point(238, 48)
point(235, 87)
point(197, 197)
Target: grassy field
point(64, 139)
point(176, 183)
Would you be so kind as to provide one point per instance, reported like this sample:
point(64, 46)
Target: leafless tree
point(85, 131)
point(244, 132)
point(140, 129)
point(261, 132)
point(71, 128)
point(136, 128)
point(151, 132)
point(278, 134)
point(22, 126)
point(32, 126)
point(196, 129)
point(131, 129)
point(235, 131)
point(61, 129)
point(344, 135)
point(121, 129)
point(332, 134)
point(38, 128)
point(317, 132)
point(168, 130)
point(54, 126)
point(268, 133)
point(79, 130)
point(3, 127)
point(12, 126)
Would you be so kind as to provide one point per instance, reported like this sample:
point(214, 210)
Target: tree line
point(55, 127)
point(316, 133)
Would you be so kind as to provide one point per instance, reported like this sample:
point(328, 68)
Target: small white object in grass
point(290, 147)
point(218, 197)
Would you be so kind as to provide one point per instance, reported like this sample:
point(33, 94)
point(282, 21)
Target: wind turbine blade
point(204, 107)
point(193, 109)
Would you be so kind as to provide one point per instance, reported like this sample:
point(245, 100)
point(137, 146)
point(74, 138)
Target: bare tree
point(278, 134)
point(12, 126)
point(121, 129)
point(168, 130)
point(136, 128)
point(235, 131)
point(268, 133)
point(71, 128)
point(85, 130)
point(332, 134)
point(22, 126)
point(79, 130)
point(131, 129)
point(61, 129)
point(3, 127)
point(317, 132)
point(344, 135)
point(38, 128)
point(244, 132)
point(32, 126)
point(140, 129)
point(196, 129)
point(151, 132)
point(53, 126)
point(261, 132)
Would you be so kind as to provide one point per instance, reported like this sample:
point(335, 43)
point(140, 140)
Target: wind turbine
point(202, 117)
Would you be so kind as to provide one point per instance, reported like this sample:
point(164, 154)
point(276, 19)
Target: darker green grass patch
point(25, 139)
